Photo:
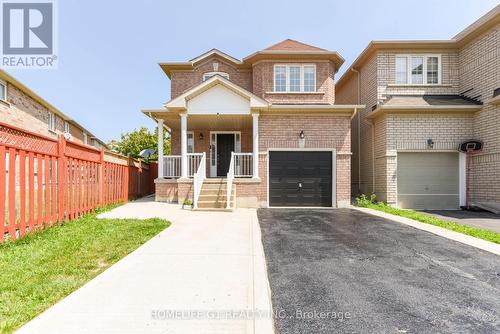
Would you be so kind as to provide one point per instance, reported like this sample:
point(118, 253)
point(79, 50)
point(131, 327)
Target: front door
point(225, 145)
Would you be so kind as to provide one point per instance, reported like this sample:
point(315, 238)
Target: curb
point(452, 235)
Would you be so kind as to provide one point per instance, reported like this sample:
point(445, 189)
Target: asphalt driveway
point(347, 271)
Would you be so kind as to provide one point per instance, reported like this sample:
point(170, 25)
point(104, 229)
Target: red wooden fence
point(44, 181)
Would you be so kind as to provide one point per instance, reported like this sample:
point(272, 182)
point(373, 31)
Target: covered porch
point(214, 131)
point(218, 142)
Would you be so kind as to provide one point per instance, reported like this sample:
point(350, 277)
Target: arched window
point(208, 75)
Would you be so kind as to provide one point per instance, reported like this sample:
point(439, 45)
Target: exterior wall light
point(430, 143)
point(302, 139)
point(200, 137)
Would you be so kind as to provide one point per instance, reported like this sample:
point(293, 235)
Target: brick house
point(262, 131)
point(23, 108)
point(424, 98)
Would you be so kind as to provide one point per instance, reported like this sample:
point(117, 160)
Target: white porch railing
point(172, 166)
point(230, 178)
point(243, 165)
point(193, 162)
point(198, 178)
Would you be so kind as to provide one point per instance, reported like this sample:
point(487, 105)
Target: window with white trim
point(295, 78)
point(208, 75)
point(51, 121)
point(85, 138)
point(418, 69)
point(3, 90)
point(190, 142)
point(66, 126)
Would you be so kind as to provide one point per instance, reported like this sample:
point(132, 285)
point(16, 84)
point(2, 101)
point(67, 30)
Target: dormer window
point(293, 78)
point(208, 75)
point(418, 69)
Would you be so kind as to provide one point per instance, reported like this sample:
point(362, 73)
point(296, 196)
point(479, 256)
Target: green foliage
point(363, 200)
point(187, 202)
point(132, 143)
point(40, 269)
point(371, 203)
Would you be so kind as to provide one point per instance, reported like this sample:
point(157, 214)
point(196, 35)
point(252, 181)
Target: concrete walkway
point(200, 275)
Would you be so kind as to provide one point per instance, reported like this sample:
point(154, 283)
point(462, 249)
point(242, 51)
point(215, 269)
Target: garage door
point(428, 181)
point(300, 178)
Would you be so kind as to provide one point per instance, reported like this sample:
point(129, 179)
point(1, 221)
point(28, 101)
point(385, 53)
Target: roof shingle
point(292, 45)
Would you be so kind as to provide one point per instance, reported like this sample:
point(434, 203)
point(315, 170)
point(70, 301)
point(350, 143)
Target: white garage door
point(428, 181)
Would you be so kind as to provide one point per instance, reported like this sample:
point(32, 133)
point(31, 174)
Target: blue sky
point(109, 50)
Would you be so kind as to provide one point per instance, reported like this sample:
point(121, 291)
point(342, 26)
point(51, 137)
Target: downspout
point(359, 129)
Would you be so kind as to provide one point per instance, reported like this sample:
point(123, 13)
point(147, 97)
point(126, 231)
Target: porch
point(209, 155)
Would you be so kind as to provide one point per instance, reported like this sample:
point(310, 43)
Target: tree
point(132, 143)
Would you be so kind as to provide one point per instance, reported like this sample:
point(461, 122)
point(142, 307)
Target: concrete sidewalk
point(211, 262)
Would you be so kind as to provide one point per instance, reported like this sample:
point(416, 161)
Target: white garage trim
point(334, 175)
point(462, 170)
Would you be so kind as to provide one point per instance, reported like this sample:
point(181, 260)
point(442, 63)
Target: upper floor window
point(3, 90)
point(51, 121)
point(294, 78)
point(96, 143)
point(208, 75)
point(66, 126)
point(85, 138)
point(418, 69)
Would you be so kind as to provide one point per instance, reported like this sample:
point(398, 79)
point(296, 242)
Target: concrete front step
point(212, 197)
point(213, 194)
point(213, 204)
point(214, 186)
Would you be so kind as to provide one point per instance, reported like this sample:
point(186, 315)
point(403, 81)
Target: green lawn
point(39, 270)
point(364, 201)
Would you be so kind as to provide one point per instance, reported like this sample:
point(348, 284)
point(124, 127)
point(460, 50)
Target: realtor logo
point(28, 34)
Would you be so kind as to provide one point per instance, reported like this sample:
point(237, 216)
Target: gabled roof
point(292, 45)
point(287, 49)
point(167, 67)
point(290, 49)
point(180, 102)
point(482, 24)
point(217, 53)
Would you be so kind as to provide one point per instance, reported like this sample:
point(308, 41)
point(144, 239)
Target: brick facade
point(275, 132)
point(473, 68)
point(263, 84)
point(479, 73)
point(323, 130)
point(25, 112)
point(182, 81)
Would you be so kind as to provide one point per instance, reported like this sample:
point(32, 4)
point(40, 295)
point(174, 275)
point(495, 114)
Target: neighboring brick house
point(269, 121)
point(424, 98)
point(23, 108)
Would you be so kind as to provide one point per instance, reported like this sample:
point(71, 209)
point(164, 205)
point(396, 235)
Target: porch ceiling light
point(301, 135)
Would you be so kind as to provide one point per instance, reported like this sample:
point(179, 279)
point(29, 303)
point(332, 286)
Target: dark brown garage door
point(300, 178)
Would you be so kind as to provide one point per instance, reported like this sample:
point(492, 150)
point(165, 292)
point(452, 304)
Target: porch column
point(255, 145)
point(184, 145)
point(160, 149)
